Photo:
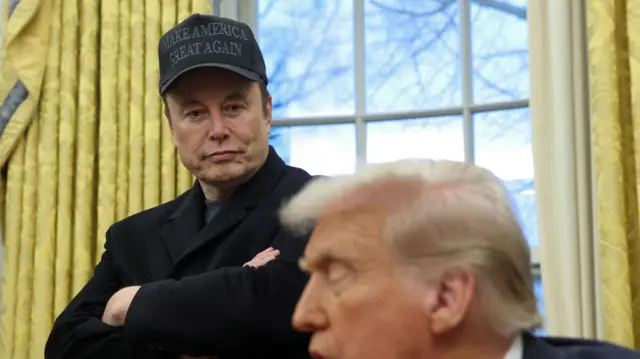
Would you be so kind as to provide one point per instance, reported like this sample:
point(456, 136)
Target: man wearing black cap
point(179, 280)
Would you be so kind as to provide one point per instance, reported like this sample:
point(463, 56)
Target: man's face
point(219, 125)
point(356, 302)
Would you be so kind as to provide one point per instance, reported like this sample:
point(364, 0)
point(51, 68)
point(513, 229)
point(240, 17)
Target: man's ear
point(449, 300)
point(167, 114)
point(268, 113)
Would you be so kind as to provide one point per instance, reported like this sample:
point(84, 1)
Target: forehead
point(353, 225)
point(210, 79)
point(352, 235)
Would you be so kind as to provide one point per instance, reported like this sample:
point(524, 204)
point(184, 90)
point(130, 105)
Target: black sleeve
point(79, 331)
point(223, 311)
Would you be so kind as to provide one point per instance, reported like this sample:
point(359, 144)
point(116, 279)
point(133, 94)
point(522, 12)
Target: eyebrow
point(303, 263)
point(188, 102)
point(241, 93)
point(326, 256)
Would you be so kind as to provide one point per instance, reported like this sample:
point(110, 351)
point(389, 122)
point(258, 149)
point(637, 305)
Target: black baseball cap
point(210, 41)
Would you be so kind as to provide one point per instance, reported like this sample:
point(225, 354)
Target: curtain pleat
point(24, 290)
point(25, 44)
point(136, 107)
point(614, 70)
point(50, 110)
point(184, 10)
point(85, 170)
point(183, 177)
point(109, 138)
point(12, 243)
point(201, 6)
point(169, 161)
point(124, 91)
point(153, 121)
point(45, 290)
point(96, 149)
point(67, 140)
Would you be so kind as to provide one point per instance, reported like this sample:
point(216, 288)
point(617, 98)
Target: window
point(366, 81)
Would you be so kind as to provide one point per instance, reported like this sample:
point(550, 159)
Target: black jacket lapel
point(212, 233)
point(184, 223)
point(246, 197)
point(536, 348)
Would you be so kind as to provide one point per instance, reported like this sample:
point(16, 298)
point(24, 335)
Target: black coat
point(568, 348)
point(196, 298)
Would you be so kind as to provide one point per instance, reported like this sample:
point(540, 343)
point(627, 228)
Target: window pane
point(537, 288)
point(500, 50)
point(412, 50)
point(435, 137)
point(503, 145)
point(320, 150)
point(308, 50)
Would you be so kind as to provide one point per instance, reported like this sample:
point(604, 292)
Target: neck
point(479, 345)
point(225, 191)
point(216, 193)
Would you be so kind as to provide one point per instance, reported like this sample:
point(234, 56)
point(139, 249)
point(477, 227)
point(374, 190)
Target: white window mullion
point(313, 121)
point(216, 6)
point(399, 116)
point(467, 79)
point(359, 70)
point(535, 255)
point(245, 11)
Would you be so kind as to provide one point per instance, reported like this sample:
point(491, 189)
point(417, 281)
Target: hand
point(263, 258)
point(118, 306)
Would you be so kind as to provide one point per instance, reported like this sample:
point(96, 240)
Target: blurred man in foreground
point(179, 280)
point(420, 259)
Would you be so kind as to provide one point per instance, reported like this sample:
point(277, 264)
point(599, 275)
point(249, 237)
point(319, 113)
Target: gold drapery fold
point(614, 68)
point(168, 153)
point(183, 177)
point(87, 146)
point(47, 208)
point(25, 45)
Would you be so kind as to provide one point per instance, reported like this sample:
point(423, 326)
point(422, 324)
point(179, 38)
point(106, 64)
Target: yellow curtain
point(614, 67)
point(83, 143)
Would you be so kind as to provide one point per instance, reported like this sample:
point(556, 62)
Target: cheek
point(188, 143)
point(253, 130)
point(378, 322)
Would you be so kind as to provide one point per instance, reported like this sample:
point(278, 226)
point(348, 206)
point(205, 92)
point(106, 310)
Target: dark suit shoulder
point(589, 349)
point(147, 218)
point(298, 173)
point(294, 179)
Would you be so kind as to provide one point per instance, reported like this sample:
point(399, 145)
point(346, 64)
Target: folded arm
point(79, 331)
point(221, 311)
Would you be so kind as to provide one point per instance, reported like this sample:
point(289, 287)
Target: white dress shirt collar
point(516, 351)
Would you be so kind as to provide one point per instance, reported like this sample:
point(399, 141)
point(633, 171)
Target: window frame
point(247, 12)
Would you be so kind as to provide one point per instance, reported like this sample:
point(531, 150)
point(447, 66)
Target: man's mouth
point(222, 156)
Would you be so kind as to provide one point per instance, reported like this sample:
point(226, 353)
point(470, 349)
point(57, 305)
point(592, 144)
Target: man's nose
point(308, 317)
point(219, 129)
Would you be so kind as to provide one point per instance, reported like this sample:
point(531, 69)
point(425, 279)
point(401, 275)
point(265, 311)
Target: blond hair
point(441, 212)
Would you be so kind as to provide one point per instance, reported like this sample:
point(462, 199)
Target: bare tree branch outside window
point(413, 62)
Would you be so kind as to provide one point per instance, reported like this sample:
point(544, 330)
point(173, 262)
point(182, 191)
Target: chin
point(228, 173)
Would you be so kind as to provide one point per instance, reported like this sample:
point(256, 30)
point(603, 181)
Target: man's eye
point(195, 114)
point(233, 108)
point(337, 272)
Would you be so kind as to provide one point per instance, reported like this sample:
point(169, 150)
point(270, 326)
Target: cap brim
point(238, 70)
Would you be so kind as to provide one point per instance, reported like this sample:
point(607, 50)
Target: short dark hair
point(264, 99)
point(264, 94)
